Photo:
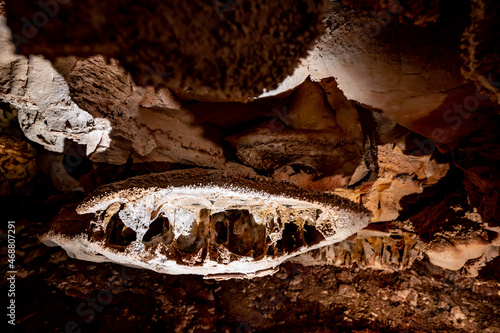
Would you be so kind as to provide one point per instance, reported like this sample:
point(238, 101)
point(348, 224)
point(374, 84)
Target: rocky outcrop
point(391, 59)
point(477, 156)
point(466, 244)
point(147, 125)
point(388, 250)
point(481, 51)
point(113, 119)
point(422, 298)
point(209, 47)
point(203, 222)
point(17, 164)
point(361, 117)
point(399, 175)
point(456, 236)
point(466, 251)
point(314, 140)
point(40, 98)
point(414, 79)
point(263, 232)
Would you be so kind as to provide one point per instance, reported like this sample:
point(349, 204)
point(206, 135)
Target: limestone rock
point(40, 97)
point(203, 222)
point(464, 245)
point(17, 164)
point(418, 12)
point(399, 175)
point(365, 67)
point(152, 125)
point(307, 177)
point(13, 69)
point(346, 115)
point(208, 47)
point(318, 151)
point(455, 234)
point(414, 79)
point(300, 74)
point(391, 250)
point(307, 142)
point(481, 52)
point(309, 110)
point(384, 196)
point(95, 103)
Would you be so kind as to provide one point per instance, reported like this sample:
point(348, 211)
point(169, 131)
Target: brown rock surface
point(410, 73)
point(296, 299)
point(200, 45)
point(151, 126)
point(17, 164)
point(217, 224)
point(314, 138)
point(394, 108)
point(478, 157)
point(480, 48)
point(95, 103)
point(399, 175)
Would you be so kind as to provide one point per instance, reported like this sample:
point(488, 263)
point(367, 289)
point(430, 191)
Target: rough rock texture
point(313, 140)
point(206, 46)
point(114, 119)
point(267, 150)
point(410, 73)
point(40, 97)
point(399, 175)
point(480, 48)
point(478, 157)
point(424, 298)
point(388, 250)
point(150, 126)
point(399, 123)
point(453, 249)
point(17, 164)
point(300, 74)
point(418, 12)
point(203, 222)
point(456, 236)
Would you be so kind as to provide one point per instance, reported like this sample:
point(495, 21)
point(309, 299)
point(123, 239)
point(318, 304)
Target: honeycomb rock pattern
point(203, 222)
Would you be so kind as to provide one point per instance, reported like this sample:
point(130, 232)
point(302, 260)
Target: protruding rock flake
point(203, 222)
point(207, 47)
point(466, 248)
